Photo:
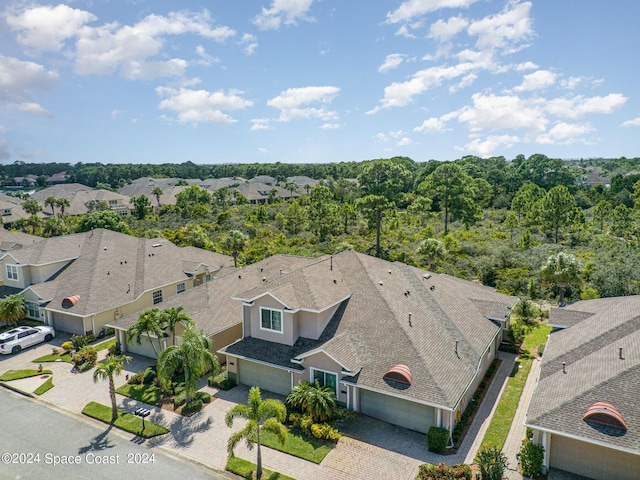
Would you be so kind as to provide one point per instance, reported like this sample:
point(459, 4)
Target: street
point(41, 442)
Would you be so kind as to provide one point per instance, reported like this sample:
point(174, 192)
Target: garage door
point(67, 324)
point(145, 349)
point(396, 411)
point(267, 378)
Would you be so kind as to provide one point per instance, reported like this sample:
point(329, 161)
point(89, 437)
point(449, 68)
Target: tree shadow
point(183, 430)
point(98, 443)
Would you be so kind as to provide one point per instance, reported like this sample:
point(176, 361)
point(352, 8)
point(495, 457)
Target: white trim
point(296, 310)
point(403, 397)
point(281, 331)
point(259, 361)
point(13, 266)
point(312, 378)
point(184, 288)
point(153, 296)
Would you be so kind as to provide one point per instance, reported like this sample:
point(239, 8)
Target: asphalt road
point(37, 442)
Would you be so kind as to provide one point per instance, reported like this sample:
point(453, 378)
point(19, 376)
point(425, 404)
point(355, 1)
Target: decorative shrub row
point(444, 472)
point(437, 439)
point(316, 430)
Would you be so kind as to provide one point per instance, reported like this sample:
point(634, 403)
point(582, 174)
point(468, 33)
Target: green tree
point(235, 241)
point(314, 400)
point(149, 325)
point(171, 317)
point(291, 186)
point(530, 457)
point(433, 249)
point(452, 189)
point(561, 270)
point(621, 220)
point(107, 370)
point(421, 206)
point(141, 206)
point(322, 212)
point(491, 462)
point(13, 308)
point(349, 214)
point(31, 206)
point(602, 213)
point(157, 192)
point(261, 415)
point(105, 219)
point(555, 209)
point(526, 197)
point(62, 204)
point(54, 227)
point(373, 208)
point(295, 218)
point(193, 357)
point(51, 202)
point(510, 223)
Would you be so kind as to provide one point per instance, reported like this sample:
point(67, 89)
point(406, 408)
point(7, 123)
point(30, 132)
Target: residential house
point(212, 306)
point(392, 341)
point(78, 283)
point(81, 197)
point(11, 209)
point(585, 408)
point(56, 178)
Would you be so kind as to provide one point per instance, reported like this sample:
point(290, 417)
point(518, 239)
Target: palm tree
point(148, 323)
point(13, 308)
point(307, 187)
point(194, 357)
point(235, 241)
point(157, 192)
point(314, 400)
point(51, 202)
point(291, 186)
point(561, 269)
point(433, 249)
point(261, 415)
point(31, 206)
point(62, 203)
point(171, 317)
point(106, 370)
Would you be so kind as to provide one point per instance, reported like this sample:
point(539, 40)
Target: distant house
point(80, 197)
point(28, 181)
point(78, 283)
point(259, 192)
point(57, 178)
point(585, 409)
point(394, 342)
point(11, 210)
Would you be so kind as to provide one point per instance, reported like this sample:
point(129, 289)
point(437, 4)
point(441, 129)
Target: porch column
point(546, 443)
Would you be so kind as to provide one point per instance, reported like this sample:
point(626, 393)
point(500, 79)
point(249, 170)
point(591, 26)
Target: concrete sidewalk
point(370, 448)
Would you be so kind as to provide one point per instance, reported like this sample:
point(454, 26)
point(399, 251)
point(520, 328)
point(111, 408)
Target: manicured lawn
point(143, 393)
point(245, 469)
point(18, 374)
point(309, 449)
point(536, 337)
point(106, 344)
point(54, 358)
point(125, 421)
point(46, 386)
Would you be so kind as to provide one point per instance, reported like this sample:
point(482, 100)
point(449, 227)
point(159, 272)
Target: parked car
point(22, 337)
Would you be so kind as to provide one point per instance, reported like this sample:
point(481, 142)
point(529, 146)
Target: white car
point(22, 337)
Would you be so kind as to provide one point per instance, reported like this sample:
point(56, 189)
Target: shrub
point(302, 421)
point(55, 351)
point(67, 346)
point(491, 462)
point(149, 375)
point(325, 431)
point(444, 472)
point(136, 378)
point(115, 349)
point(437, 439)
point(79, 341)
point(221, 381)
point(195, 405)
point(530, 458)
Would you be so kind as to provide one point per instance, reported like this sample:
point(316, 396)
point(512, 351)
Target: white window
point(12, 272)
point(113, 203)
point(6, 211)
point(33, 311)
point(207, 277)
point(157, 297)
point(181, 287)
point(271, 320)
point(325, 379)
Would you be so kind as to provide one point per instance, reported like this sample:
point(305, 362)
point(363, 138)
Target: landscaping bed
point(125, 421)
point(246, 469)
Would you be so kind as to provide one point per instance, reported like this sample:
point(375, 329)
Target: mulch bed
point(166, 403)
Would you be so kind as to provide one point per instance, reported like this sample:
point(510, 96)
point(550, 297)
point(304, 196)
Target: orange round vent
point(604, 414)
point(69, 302)
point(400, 373)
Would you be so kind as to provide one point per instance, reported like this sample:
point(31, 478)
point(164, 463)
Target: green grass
point(299, 446)
point(18, 374)
point(536, 337)
point(245, 469)
point(125, 421)
point(106, 344)
point(54, 358)
point(46, 386)
point(143, 393)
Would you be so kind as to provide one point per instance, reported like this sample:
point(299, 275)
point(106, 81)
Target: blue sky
point(313, 81)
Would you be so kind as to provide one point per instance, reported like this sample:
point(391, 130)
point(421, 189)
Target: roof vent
point(400, 373)
point(156, 245)
point(69, 302)
point(603, 413)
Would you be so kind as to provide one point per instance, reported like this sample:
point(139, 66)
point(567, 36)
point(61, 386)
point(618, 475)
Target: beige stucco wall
point(226, 337)
point(593, 461)
point(323, 362)
point(311, 325)
point(289, 332)
point(29, 274)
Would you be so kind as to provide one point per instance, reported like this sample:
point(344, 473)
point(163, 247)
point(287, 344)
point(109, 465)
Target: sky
point(317, 81)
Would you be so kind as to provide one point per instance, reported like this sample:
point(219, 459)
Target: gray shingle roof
point(594, 373)
point(373, 332)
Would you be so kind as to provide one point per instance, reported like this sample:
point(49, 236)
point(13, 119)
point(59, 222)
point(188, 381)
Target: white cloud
point(127, 49)
point(249, 43)
point(391, 61)
point(197, 106)
point(261, 124)
point(404, 141)
point(205, 58)
point(574, 107)
point(487, 147)
point(444, 31)
point(571, 82)
point(526, 66)
point(18, 79)
point(283, 11)
point(381, 137)
point(503, 111)
point(564, 133)
point(293, 103)
point(505, 30)
point(635, 122)
point(431, 125)
point(5, 154)
point(46, 28)
point(536, 81)
point(34, 108)
point(331, 126)
point(417, 8)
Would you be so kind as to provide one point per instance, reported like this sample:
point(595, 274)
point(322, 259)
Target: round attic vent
point(400, 373)
point(604, 414)
point(69, 302)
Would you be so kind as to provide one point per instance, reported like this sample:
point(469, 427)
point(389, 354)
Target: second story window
point(181, 287)
point(12, 272)
point(271, 320)
point(157, 297)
